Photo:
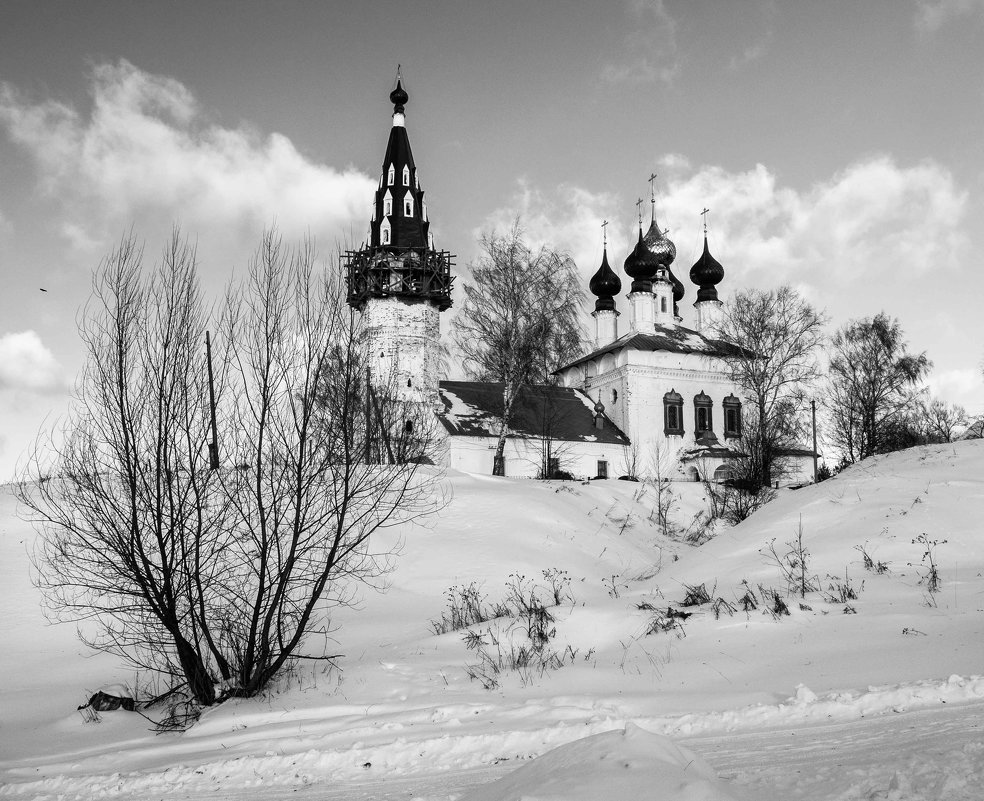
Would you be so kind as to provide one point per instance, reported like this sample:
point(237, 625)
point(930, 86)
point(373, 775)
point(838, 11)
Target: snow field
point(402, 702)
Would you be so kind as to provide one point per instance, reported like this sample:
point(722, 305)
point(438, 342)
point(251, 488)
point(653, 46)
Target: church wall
point(641, 379)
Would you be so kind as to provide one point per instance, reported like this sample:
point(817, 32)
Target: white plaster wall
point(403, 346)
point(641, 379)
point(523, 456)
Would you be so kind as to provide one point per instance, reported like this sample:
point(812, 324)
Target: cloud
point(931, 15)
point(870, 221)
point(766, 29)
point(962, 386)
point(873, 218)
point(146, 150)
point(650, 52)
point(569, 218)
point(26, 365)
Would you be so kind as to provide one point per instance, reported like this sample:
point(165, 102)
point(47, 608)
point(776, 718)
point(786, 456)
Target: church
point(654, 398)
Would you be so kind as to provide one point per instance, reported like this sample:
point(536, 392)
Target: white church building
point(655, 393)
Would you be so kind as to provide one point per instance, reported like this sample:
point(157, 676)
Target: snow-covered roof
point(474, 408)
point(673, 339)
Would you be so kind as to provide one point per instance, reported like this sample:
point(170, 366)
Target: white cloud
point(931, 15)
point(568, 218)
point(649, 51)
point(146, 149)
point(962, 386)
point(26, 365)
point(872, 218)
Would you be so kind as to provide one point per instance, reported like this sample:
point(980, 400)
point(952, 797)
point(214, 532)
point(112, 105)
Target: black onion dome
point(641, 265)
point(605, 284)
point(678, 288)
point(707, 272)
point(659, 244)
point(399, 97)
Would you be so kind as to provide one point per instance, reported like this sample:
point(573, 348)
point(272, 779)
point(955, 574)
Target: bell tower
point(398, 280)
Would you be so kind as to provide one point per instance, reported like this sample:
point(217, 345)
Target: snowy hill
point(879, 697)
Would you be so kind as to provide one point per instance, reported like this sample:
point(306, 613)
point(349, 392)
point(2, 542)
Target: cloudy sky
point(839, 146)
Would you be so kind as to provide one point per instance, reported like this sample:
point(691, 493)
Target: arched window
point(390, 175)
point(703, 421)
point(662, 305)
point(732, 416)
point(408, 205)
point(614, 396)
point(723, 473)
point(408, 426)
point(387, 204)
point(406, 176)
point(384, 233)
point(673, 413)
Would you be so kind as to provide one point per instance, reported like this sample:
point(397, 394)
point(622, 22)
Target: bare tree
point(131, 518)
point(221, 577)
point(521, 318)
point(776, 335)
point(658, 476)
point(872, 386)
point(940, 421)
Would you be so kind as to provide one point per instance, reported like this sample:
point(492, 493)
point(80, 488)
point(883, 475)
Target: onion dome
point(659, 244)
point(707, 272)
point(678, 288)
point(599, 408)
point(641, 265)
point(399, 97)
point(605, 284)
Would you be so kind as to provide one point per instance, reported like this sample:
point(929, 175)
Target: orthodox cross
point(604, 232)
point(652, 192)
point(704, 215)
point(639, 203)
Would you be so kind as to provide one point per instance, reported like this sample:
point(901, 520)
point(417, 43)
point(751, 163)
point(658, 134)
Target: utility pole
point(213, 446)
point(813, 410)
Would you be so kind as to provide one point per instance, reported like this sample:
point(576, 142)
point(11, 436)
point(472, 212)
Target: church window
point(732, 416)
point(408, 205)
point(387, 205)
point(408, 426)
point(391, 175)
point(406, 176)
point(614, 396)
point(384, 233)
point(662, 305)
point(602, 469)
point(673, 413)
point(409, 382)
point(703, 419)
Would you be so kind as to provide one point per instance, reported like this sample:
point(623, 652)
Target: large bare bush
point(218, 578)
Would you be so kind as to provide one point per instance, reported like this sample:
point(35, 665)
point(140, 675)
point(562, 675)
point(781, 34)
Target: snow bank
point(628, 764)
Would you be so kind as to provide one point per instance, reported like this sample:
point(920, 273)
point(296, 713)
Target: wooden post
point(213, 446)
point(813, 410)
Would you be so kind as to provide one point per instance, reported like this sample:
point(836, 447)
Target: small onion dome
point(707, 272)
point(599, 408)
point(641, 265)
point(399, 97)
point(678, 288)
point(605, 284)
point(659, 244)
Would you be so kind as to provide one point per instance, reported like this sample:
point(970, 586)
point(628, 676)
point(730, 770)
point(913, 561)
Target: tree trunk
point(199, 681)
